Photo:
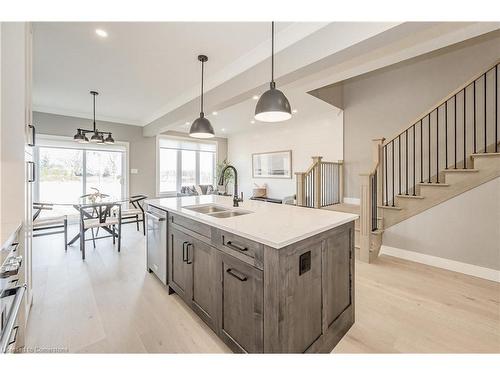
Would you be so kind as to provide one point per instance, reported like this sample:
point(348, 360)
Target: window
point(68, 170)
point(183, 162)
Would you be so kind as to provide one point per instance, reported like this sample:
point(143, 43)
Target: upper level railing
point(464, 123)
point(321, 185)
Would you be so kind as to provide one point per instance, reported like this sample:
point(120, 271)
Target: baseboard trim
point(447, 264)
point(356, 201)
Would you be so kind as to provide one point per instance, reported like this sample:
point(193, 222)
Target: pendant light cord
point(94, 111)
point(272, 51)
point(202, 65)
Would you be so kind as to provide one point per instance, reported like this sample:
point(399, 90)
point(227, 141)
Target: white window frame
point(56, 141)
point(179, 163)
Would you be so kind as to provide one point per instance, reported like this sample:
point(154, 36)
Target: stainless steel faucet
point(236, 199)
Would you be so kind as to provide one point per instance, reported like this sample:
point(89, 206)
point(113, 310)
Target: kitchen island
point(267, 278)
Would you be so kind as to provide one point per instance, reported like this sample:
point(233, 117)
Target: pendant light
point(97, 136)
point(273, 106)
point(201, 127)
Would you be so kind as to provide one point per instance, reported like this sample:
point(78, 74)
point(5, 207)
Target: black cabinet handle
point(187, 253)
point(237, 274)
point(33, 132)
point(184, 252)
point(235, 246)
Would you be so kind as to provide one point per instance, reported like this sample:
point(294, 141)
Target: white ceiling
point(138, 69)
point(148, 74)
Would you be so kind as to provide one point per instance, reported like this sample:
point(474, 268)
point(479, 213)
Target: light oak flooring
point(110, 304)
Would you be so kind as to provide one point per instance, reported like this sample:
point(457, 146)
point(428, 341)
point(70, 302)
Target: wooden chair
point(135, 213)
point(100, 215)
point(46, 226)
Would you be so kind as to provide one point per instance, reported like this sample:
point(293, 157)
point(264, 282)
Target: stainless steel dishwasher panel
point(156, 242)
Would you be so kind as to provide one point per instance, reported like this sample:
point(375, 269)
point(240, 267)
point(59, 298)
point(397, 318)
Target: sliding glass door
point(60, 175)
point(67, 173)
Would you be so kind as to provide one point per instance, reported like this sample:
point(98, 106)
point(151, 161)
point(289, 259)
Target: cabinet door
point(204, 280)
point(179, 278)
point(338, 271)
point(241, 325)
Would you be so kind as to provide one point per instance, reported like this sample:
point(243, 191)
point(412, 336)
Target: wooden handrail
point(443, 101)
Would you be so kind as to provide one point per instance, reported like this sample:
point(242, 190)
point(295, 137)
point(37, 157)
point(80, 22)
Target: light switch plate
point(134, 171)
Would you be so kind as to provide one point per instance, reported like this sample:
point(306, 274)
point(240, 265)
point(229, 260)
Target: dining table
point(87, 201)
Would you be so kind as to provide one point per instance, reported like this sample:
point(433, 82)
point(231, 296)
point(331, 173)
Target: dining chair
point(134, 212)
point(100, 215)
point(46, 226)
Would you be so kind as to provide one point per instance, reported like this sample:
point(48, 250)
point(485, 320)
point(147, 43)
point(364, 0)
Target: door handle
point(33, 132)
point(187, 254)
point(184, 257)
point(32, 176)
point(154, 217)
point(237, 274)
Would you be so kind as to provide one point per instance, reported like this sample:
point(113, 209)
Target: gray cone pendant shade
point(273, 106)
point(201, 127)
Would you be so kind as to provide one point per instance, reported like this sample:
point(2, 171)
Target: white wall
point(464, 229)
point(319, 134)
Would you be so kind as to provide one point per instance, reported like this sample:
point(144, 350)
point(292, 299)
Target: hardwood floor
point(110, 304)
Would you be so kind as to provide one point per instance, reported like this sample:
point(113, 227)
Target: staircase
point(452, 148)
point(447, 151)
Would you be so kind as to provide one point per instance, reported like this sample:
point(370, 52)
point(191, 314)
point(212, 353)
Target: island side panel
point(296, 303)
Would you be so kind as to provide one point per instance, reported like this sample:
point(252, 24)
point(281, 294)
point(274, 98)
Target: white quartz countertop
point(275, 225)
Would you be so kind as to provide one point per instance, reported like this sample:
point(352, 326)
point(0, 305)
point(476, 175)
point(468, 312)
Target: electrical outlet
point(134, 171)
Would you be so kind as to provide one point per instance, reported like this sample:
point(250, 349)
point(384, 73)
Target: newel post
point(378, 160)
point(300, 180)
point(365, 218)
point(317, 181)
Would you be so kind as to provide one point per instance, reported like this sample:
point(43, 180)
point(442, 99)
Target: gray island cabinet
point(262, 299)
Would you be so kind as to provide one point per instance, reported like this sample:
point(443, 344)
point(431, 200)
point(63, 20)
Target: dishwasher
point(156, 242)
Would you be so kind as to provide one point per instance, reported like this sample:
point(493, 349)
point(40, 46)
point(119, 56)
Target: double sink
point(217, 211)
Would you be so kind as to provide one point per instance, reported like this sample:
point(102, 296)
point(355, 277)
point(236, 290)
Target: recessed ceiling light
point(223, 129)
point(252, 122)
point(294, 111)
point(214, 113)
point(255, 97)
point(187, 123)
point(102, 33)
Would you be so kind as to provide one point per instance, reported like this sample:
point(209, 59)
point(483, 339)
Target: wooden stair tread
point(433, 184)
point(485, 154)
point(410, 196)
point(391, 208)
point(460, 170)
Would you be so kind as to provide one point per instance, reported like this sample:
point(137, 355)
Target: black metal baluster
point(437, 145)
point(485, 128)
point(446, 134)
point(406, 159)
point(474, 113)
point(429, 133)
point(414, 171)
point(392, 173)
point(421, 151)
point(455, 120)
point(386, 170)
point(399, 162)
point(465, 130)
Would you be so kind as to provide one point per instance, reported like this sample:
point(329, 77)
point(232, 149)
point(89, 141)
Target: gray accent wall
point(386, 101)
point(142, 150)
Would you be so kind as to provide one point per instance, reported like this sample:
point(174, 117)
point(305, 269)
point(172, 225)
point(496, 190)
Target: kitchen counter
point(274, 225)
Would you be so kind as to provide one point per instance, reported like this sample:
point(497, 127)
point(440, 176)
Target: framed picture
point(276, 164)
